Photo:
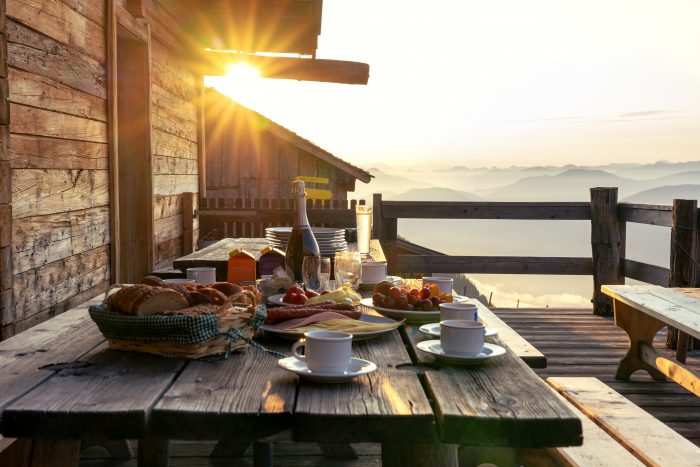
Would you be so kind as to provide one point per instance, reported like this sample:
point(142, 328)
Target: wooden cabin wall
point(246, 160)
point(57, 245)
point(58, 143)
point(6, 275)
point(174, 94)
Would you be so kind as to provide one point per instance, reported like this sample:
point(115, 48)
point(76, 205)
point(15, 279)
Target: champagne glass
point(348, 268)
point(316, 272)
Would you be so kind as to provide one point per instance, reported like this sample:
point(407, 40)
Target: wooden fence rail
point(228, 217)
point(608, 239)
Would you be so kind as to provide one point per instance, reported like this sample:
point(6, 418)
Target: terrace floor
point(576, 343)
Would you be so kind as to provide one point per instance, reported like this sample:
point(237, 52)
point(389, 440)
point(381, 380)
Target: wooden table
point(216, 255)
point(641, 310)
point(419, 410)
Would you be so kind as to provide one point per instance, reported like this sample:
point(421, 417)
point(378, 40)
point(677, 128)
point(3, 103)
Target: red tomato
point(288, 297)
point(325, 292)
point(299, 299)
point(310, 294)
point(295, 290)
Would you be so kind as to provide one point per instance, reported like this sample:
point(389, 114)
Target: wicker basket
point(183, 336)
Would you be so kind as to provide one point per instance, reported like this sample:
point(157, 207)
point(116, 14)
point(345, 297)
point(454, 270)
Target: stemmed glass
point(348, 268)
point(316, 272)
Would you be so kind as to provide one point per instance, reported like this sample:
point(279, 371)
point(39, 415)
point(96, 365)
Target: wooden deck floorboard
point(576, 343)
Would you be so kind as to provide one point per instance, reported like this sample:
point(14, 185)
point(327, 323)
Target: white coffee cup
point(325, 351)
point(468, 311)
point(462, 336)
point(373, 272)
point(203, 275)
point(443, 283)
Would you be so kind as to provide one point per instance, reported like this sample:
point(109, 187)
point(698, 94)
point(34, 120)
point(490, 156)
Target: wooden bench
point(616, 431)
point(642, 310)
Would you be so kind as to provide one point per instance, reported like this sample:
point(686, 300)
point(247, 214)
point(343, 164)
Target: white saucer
point(433, 330)
point(357, 367)
point(434, 348)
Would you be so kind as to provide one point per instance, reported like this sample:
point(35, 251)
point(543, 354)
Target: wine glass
point(348, 268)
point(316, 272)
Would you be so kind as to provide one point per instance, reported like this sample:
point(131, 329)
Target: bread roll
point(159, 301)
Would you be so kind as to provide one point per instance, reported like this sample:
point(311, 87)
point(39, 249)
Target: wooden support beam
point(676, 371)
point(494, 264)
point(188, 223)
point(386, 230)
point(684, 254)
point(606, 246)
point(301, 69)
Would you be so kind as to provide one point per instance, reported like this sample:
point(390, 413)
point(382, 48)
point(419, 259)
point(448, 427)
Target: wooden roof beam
point(296, 68)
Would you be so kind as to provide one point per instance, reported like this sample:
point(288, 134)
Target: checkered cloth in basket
point(181, 335)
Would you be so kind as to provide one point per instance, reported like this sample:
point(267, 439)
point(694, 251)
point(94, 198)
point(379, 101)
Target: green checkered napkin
point(180, 329)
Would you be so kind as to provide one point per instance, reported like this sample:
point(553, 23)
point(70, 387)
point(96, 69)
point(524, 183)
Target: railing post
point(386, 230)
point(606, 246)
point(187, 223)
point(684, 253)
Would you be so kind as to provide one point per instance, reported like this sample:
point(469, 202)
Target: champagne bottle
point(301, 241)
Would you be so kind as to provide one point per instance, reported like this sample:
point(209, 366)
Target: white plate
point(409, 316)
point(358, 336)
point(434, 348)
point(433, 330)
point(357, 368)
point(395, 279)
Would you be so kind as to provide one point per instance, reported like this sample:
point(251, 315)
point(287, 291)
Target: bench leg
point(262, 454)
point(419, 455)
point(153, 452)
point(50, 453)
point(639, 328)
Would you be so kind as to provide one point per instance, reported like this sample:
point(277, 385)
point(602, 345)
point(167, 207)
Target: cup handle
point(297, 345)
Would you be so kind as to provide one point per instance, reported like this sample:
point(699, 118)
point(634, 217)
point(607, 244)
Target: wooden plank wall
point(57, 245)
point(58, 140)
point(6, 274)
point(175, 134)
point(246, 161)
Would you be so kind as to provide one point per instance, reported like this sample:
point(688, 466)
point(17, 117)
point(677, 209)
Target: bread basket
point(230, 327)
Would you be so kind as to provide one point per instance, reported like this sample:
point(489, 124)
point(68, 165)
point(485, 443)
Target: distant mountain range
point(654, 182)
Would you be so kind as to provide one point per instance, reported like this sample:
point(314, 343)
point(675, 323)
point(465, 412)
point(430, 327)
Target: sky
point(499, 83)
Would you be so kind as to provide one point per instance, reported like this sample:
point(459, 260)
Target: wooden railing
point(220, 218)
point(228, 217)
point(607, 263)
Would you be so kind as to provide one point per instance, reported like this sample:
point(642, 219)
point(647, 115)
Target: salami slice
point(276, 315)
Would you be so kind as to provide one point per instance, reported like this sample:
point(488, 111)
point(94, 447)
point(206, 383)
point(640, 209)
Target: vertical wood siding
point(246, 161)
point(174, 121)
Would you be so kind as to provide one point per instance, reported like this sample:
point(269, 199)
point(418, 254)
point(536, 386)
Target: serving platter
point(358, 336)
point(409, 316)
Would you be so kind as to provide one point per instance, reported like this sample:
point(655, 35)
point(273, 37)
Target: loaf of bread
point(153, 297)
point(142, 299)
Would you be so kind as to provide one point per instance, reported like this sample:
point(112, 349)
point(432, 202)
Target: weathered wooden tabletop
point(409, 404)
point(216, 255)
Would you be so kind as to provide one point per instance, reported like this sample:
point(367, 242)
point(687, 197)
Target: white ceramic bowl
point(444, 283)
point(373, 272)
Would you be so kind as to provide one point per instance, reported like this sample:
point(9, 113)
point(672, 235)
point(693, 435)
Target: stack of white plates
point(330, 241)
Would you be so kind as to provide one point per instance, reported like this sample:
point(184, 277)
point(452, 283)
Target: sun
point(240, 79)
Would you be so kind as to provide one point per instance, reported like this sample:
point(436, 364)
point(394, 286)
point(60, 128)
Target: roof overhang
point(217, 63)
